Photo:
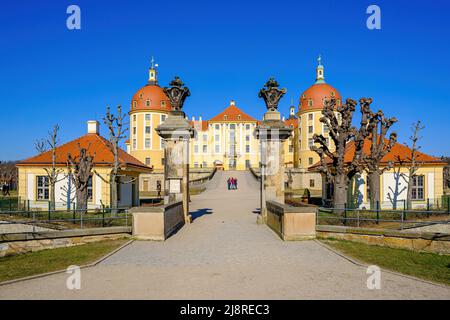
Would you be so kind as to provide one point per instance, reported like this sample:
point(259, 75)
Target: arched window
point(148, 103)
point(134, 104)
point(163, 104)
point(310, 103)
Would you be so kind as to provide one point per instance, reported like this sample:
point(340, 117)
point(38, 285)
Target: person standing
point(235, 183)
point(229, 183)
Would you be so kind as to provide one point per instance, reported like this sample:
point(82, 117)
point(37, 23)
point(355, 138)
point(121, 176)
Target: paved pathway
point(224, 254)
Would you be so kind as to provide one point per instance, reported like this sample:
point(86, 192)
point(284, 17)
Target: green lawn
point(28, 264)
point(427, 266)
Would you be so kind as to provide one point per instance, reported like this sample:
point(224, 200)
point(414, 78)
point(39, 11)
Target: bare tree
point(80, 170)
point(332, 164)
point(117, 132)
point(8, 174)
point(379, 148)
point(413, 161)
point(40, 145)
point(53, 172)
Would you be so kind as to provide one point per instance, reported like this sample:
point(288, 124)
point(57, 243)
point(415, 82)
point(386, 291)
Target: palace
point(226, 140)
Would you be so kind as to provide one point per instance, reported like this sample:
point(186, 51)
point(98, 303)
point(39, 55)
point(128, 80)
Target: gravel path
point(224, 254)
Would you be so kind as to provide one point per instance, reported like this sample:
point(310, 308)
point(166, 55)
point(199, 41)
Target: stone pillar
point(272, 133)
point(176, 131)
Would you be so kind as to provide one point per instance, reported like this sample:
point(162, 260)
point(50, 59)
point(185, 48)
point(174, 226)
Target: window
point(135, 104)
point(134, 130)
point(247, 138)
point(338, 102)
point(163, 104)
point(418, 188)
point(147, 161)
point(148, 143)
point(247, 127)
point(291, 148)
point(239, 117)
point(310, 142)
point(217, 148)
point(196, 148)
point(310, 116)
point(205, 148)
point(134, 143)
point(148, 103)
point(134, 118)
point(310, 161)
point(204, 165)
point(310, 129)
point(216, 137)
point(148, 117)
point(148, 129)
point(247, 148)
point(232, 126)
point(311, 183)
point(217, 126)
point(163, 117)
point(225, 117)
point(310, 103)
point(89, 189)
point(43, 188)
point(205, 137)
point(195, 164)
point(332, 93)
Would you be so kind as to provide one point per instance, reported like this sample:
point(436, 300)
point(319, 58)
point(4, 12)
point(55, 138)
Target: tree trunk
point(374, 186)
point(81, 195)
point(409, 194)
point(114, 198)
point(340, 193)
point(52, 205)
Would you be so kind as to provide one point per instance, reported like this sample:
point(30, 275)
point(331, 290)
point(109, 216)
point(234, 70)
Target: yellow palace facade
point(226, 140)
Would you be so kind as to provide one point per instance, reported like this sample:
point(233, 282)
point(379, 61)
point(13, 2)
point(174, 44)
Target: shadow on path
point(200, 212)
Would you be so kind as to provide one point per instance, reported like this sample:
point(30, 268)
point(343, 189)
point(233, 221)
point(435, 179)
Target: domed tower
point(309, 112)
point(149, 108)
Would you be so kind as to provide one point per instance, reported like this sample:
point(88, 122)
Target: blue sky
point(222, 50)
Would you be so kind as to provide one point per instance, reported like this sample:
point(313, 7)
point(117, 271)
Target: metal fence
point(18, 221)
point(382, 218)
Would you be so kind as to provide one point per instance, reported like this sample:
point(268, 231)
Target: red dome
point(150, 97)
point(313, 98)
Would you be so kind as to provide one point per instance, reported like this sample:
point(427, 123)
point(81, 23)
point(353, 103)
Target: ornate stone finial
point(177, 93)
point(271, 94)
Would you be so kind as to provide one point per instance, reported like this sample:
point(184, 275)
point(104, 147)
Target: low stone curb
point(64, 270)
point(361, 264)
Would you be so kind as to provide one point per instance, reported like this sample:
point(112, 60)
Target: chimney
point(93, 127)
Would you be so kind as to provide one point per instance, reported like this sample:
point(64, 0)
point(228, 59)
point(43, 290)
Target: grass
point(28, 264)
point(428, 266)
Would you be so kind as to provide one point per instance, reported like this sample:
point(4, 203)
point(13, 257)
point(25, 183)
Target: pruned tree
point(413, 162)
point(117, 130)
point(342, 132)
point(380, 125)
point(40, 145)
point(80, 170)
point(53, 173)
point(8, 175)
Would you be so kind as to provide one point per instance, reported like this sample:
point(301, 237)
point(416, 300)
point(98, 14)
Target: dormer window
point(148, 103)
point(135, 104)
point(239, 117)
point(304, 96)
point(163, 104)
point(310, 103)
point(140, 95)
point(225, 117)
point(332, 93)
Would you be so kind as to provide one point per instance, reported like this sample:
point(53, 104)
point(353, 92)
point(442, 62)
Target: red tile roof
point(232, 113)
point(291, 122)
point(399, 153)
point(96, 145)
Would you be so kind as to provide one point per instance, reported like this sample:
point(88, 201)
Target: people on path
point(229, 183)
point(232, 183)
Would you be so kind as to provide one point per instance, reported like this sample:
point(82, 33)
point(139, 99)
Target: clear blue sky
point(222, 50)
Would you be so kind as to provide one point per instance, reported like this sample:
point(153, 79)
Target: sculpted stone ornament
point(177, 93)
point(271, 94)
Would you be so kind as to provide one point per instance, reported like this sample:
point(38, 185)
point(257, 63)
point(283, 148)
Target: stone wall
point(292, 223)
point(13, 244)
point(423, 241)
point(157, 223)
